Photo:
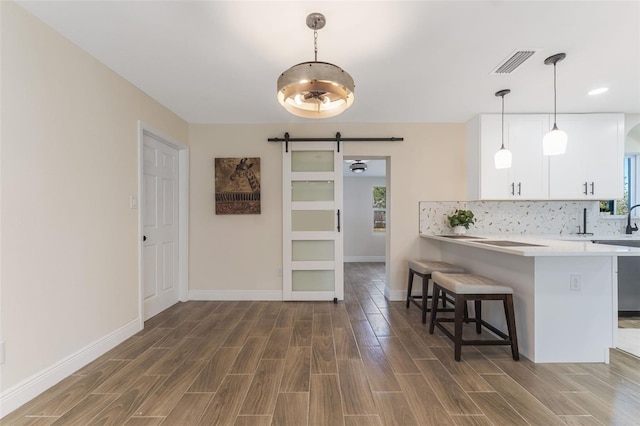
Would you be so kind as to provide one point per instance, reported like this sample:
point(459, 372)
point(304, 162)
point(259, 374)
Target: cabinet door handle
point(519, 188)
point(513, 188)
point(585, 189)
point(338, 220)
point(592, 187)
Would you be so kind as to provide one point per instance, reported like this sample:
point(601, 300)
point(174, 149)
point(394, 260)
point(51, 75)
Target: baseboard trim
point(18, 395)
point(208, 295)
point(395, 295)
point(370, 259)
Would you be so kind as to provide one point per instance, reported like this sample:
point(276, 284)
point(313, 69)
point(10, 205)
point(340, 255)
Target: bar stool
point(464, 287)
point(424, 269)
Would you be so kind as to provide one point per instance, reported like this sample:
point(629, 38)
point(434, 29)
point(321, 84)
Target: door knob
point(144, 238)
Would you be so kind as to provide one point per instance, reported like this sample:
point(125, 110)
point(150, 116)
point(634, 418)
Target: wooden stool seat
point(466, 287)
point(424, 269)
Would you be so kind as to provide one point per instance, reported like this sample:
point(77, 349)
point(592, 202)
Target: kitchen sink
point(625, 243)
point(461, 237)
point(509, 244)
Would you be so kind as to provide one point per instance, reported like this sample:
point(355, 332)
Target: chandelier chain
point(315, 43)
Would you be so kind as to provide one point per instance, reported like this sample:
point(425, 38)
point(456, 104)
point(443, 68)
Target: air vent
point(514, 61)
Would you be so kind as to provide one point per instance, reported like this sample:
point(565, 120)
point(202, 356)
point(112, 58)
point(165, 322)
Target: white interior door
point(160, 247)
point(312, 205)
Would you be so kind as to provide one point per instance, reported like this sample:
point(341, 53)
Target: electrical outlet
point(279, 271)
point(575, 283)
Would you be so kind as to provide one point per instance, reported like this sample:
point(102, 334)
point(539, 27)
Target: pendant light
point(503, 156)
point(315, 89)
point(358, 166)
point(554, 142)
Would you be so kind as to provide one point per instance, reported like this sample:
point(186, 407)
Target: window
point(630, 195)
point(379, 209)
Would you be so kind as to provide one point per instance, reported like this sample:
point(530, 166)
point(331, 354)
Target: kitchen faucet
point(630, 228)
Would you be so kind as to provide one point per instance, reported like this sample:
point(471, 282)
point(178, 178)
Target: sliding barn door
point(312, 208)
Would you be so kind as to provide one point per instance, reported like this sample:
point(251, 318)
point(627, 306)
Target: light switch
point(133, 202)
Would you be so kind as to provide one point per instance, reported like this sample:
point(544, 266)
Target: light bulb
point(325, 100)
point(503, 158)
point(298, 99)
point(554, 142)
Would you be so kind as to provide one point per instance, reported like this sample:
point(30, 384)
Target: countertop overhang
point(543, 245)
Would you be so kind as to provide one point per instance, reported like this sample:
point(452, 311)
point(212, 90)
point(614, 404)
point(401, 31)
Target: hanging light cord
point(502, 147)
point(554, 94)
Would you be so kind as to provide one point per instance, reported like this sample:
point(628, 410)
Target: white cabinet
point(592, 166)
point(527, 179)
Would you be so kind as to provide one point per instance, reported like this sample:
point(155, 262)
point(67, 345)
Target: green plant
point(461, 218)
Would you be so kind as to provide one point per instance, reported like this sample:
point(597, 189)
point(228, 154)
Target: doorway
point(162, 221)
point(366, 210)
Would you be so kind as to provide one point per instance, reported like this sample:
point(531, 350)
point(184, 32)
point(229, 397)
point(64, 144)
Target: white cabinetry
point(592, 165)
point(527, 179)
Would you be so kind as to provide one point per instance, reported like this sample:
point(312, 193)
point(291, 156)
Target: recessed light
point(598, 91)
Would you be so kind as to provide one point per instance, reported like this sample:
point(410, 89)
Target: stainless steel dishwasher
point(628, 279)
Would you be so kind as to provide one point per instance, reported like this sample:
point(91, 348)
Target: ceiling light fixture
point(315, 89)
point(503, 156)
point(554, 142)
point(358, 166)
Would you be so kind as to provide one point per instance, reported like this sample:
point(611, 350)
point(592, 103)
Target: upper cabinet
point(528, 178)
point(590, 169)
point(592, 166)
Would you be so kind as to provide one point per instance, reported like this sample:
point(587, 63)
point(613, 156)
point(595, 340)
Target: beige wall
point(69, 265)
point(237, 254)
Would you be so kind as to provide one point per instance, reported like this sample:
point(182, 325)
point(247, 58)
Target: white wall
point(632, 133)
point(69, 265)
point(361, 244)
point(238, 256)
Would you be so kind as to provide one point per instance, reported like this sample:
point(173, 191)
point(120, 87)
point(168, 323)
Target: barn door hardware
point(337, 139)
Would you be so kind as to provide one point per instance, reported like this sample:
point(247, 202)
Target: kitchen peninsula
point(565, 292)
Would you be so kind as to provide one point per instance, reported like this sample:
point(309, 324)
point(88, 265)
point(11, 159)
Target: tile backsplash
point(521, 217)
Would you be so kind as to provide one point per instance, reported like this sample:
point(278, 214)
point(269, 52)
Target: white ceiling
point(414, 61)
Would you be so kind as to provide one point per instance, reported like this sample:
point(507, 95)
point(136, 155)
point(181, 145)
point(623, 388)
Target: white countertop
point(546, 245)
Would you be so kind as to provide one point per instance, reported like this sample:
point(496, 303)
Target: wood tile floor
point(362, 362)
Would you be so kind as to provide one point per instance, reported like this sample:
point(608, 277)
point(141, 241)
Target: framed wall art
point(237, 185)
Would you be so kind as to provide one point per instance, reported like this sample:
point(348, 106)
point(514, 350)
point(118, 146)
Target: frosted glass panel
point(312, 250)
point(315, 190)
point(312, 220)
point(313, 280)
point(312, 161)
